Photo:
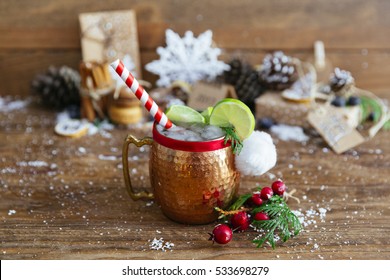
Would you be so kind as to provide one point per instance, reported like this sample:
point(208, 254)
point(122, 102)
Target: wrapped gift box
point(273, 105)
point(106, 36)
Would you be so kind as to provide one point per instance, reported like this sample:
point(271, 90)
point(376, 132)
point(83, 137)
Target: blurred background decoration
point(37, 34)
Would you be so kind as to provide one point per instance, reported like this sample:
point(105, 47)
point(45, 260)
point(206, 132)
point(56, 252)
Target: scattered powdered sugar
point(7, 105)
point(174, 101)
point(289, 133)
point(160, 244)
point(309, 217)
point(149, 203)
point(8, 170)
point(271, 176)
point(322, 212)
point(36, 163)
point(104, 157)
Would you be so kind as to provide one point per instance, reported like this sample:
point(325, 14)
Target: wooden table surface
point(63, 198)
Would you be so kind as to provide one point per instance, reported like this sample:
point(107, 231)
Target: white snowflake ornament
point(187, 59)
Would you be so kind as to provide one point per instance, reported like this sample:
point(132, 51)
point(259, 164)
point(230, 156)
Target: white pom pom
point(258, 154)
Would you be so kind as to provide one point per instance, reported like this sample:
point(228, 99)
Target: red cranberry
point(266, 193)
point(279, 187)
point(256, 199)
point(240, 221)
point(222, 234)
point(261, 216)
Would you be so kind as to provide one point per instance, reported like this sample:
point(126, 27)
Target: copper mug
point(188, 179)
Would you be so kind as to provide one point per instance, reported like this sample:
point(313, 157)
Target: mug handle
point(130, 139)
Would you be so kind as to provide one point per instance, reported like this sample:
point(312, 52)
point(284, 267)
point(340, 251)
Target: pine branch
point(232, 136)
point(369, 105)
point(282, 220)
point(269, 226)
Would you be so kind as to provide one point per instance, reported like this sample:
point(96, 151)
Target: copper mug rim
point(189, 146)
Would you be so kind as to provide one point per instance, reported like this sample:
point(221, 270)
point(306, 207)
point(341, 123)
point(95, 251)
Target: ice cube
point(177, 136)
point(212, 132)
point(197, 127)
point(196, 132)
point(196, 138)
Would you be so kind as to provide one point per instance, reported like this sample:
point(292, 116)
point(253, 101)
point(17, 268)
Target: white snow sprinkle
point(8, 170)
point(322, 212)
point(104, 157)
point(7, 105)
point(160, 244)
point(289, 133)
point(11, 212)
point(36, 163)
point(149, 203)
point(310, 216)
point(271, 176)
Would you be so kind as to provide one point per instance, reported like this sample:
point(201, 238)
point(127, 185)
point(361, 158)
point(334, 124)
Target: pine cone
point(278, 71)
point(341, 82)
point(58, 87)
point(245, 80)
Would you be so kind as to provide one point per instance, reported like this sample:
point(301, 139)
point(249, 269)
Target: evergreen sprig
point(370, 105)
point(282, 222)
point(235, 141)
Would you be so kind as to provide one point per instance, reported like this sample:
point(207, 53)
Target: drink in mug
point(192, 171)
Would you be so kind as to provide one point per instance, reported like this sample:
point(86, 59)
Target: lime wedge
point(232, 112)
point(206, 114)
point(179, 114)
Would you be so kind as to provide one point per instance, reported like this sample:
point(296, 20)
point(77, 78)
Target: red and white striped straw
point(141, 94)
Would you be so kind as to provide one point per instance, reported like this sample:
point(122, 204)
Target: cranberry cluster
point(241, 220)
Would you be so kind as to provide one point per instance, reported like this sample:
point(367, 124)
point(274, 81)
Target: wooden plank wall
point(39, 33)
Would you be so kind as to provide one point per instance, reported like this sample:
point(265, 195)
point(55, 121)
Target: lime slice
point(72, 128)
point(179, 114)
point(233, 112)
point(206, 114)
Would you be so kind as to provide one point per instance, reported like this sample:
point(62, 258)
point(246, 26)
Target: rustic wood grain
point(260, 25)
point(76, 207)
point(47, 32)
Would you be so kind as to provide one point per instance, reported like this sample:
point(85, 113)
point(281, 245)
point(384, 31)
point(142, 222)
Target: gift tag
point(205, 95)
point(335, 129)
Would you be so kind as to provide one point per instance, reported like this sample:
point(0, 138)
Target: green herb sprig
point(370, 105)
point(232, 136)
point(282, 221)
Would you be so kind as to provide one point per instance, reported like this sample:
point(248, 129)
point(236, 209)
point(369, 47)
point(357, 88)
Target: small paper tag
point(334, 128)
point(204, 95)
